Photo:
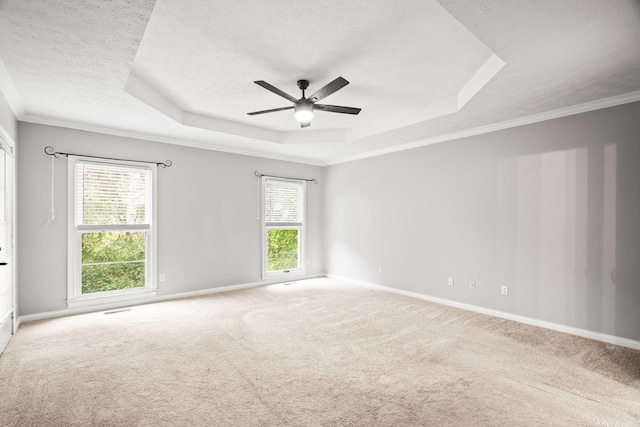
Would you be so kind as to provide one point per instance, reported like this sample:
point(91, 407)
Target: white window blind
point(284, 203)
point(112, 195)
point(6, 235)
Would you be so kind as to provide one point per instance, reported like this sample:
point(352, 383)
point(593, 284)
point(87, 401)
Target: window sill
point(112, 298)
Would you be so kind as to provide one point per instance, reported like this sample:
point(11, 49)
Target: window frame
point(301, 270)
point(75, 298)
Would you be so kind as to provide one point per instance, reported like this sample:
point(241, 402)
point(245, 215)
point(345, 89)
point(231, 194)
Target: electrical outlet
point(380, 269)
point(472, 285)
point(162, 277)
point(505, 290)
point(450, 281)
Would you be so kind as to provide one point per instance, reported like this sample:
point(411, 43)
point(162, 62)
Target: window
point(283, 226)
point(111, 232)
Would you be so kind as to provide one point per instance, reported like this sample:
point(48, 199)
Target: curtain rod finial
point(51, 152)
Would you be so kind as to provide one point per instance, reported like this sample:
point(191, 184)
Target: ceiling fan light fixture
point(304, 112)
point(304, 106)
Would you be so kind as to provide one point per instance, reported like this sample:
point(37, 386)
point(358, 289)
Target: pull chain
point(52, 215)
point(259, 200)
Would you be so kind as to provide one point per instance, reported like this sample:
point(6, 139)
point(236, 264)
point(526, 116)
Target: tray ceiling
point(422, 71)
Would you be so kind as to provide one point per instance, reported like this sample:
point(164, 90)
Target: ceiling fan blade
point(305, 124)
point(270, 111)
point(275, 90)
point(335, 85)
point(336, 109)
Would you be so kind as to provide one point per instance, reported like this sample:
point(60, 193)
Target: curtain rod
point(260, 175)
point(50, 151)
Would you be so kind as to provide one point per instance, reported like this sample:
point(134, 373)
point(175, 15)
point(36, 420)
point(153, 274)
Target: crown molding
point(534, 118)
point(10, 92)
point(163, 139)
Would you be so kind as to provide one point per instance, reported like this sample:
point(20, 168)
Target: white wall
point(208, 235)
point(550, 209)
point(8, 121)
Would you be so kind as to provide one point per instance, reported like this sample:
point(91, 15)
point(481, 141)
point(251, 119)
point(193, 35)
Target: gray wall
point(208, 235)
point(550, 209)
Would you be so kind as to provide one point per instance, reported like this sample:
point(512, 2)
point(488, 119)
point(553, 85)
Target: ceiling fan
point(304, 107)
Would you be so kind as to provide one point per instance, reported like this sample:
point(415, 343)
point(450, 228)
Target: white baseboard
point(16, 324)
point(5, 332)
point(102, 307)
point(598, 336)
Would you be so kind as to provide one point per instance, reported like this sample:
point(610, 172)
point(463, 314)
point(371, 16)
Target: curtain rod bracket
point(57, 154)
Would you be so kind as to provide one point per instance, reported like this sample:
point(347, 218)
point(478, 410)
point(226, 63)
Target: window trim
point(302, 240)
point(75, 298)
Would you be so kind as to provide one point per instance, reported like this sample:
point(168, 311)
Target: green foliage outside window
point(112, 261)
point(282, 250)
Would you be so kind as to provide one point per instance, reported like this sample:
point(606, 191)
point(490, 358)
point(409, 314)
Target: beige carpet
point(313, 353)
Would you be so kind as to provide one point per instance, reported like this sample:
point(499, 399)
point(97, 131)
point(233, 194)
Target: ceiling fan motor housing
point(303, 104)
point(303, 84)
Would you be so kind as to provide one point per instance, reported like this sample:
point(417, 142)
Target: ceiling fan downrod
point(303, 85)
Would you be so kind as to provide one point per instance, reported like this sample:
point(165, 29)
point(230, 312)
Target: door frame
point(7, 145)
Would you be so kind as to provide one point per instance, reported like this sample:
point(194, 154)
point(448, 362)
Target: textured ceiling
point(205, 58)
point(421, 70)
